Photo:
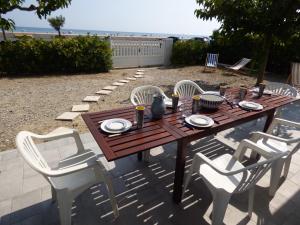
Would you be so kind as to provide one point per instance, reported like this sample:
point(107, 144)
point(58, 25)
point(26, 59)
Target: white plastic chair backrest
point(295, 72)
point(212, 60)
point(187, 88)
point(281, 89)
point(30, 153)
point(243, 62)
point(144, 94)
point(253, 173)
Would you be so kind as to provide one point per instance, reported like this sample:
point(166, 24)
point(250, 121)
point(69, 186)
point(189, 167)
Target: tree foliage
point(43, 8)
point(57, 22)
point(271, 20)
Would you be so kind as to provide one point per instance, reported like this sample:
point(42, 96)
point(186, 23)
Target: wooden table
point(171, 128)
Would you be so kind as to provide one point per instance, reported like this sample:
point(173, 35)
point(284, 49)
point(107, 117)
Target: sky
point(155, 16)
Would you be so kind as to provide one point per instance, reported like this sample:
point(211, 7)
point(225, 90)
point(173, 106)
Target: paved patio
point(144, 190)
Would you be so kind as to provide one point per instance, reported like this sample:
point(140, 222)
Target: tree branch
point(23, 8)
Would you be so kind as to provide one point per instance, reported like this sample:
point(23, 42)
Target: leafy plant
point(190, 52)
point(70, 55)
point(57, 23)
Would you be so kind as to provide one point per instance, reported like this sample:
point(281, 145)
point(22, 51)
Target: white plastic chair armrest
point(203, 159)
point(287, 122)
point(279, 121)
point(71, 169)
point(244, 170)
point(67, 133)
point(258, 134)
point(239, 153)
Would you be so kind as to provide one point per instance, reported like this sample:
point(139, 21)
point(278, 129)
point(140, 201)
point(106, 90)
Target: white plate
point(250, 105)
point(115, 126)
point(198, 121)
point(168, 103)
point(266, 92)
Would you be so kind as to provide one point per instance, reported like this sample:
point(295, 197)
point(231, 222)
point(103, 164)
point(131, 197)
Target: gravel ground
point(33, 103)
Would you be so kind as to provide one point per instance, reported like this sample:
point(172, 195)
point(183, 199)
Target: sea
point(104, 33)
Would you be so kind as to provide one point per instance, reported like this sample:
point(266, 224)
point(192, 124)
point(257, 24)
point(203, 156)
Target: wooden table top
point(171, 127)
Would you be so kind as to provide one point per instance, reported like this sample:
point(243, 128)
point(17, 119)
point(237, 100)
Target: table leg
point(179, 170)
point(269, 120)
point(140, 156)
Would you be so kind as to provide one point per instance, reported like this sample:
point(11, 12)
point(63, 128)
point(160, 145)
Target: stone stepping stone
point(68, 116)
point(110, 88)
point(139, 73)
point(118, 84)
point(123, 81)
point(81, 108)
point(131, 78)
point(140, 70)
point(91, 98)
point(103, 92)
point(138, 76)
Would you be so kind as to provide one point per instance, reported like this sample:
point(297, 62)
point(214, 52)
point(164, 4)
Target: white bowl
point(211, 101)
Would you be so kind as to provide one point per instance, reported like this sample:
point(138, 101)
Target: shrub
point(60, 55)
point(189, 52)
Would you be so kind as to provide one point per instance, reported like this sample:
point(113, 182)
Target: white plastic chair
point(225, 175)
point(281, 89)
point(74, 174)
point(272, 145)
point(144, 95)
point(187, 88)
point(211, 61)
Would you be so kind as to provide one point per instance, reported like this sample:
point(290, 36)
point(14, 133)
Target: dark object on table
point(175, 100)
point(223, 90)
point(195, 104)
point(242, 93)
point(261, 89)
point(158, 106)
point(140, 110)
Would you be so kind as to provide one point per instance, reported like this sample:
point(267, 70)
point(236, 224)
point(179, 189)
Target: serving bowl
point(211, 100)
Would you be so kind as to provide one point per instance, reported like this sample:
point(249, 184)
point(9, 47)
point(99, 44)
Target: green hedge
point(190, 52)
point(60, 55)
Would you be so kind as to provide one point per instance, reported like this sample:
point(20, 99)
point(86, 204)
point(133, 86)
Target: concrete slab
point(91, 98)
point(123, 81)
point(139, 73)
point(140, 70)
point(131, 78)
point(81, 108)
point(68, 116)
point(138, 76)
point(118, 84)
point(103, 92)
point(110, 88)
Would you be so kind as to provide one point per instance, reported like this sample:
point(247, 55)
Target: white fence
point(139, 52)
point(127, 51)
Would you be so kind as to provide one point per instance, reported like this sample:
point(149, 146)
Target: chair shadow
point(144, 194)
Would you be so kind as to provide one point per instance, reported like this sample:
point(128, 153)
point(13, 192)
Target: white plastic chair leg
point(220, 203)
point(275, 176)
point(65, 207)
point(53, 192)
point(287, 164)
point(111, 195)
point(251, 201)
